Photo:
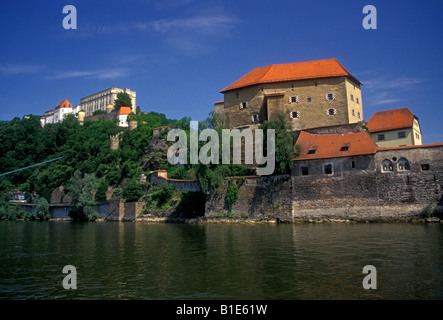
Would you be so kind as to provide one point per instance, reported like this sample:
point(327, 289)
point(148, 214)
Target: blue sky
point(177, 55)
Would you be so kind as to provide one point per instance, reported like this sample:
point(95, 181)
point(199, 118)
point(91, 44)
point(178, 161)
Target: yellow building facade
point(395, 128)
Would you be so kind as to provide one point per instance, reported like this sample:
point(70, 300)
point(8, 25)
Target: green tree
point(123, 100)
point(231, 195)
point(101, 190)
point(284, 143)
point(41, 208)
point(81, 191)
point(132, 191)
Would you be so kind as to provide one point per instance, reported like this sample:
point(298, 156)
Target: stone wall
point(258, 198)
point(103, 116)
point(365, 192)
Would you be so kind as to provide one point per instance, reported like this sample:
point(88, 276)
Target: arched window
point(403, 165)
point(387, 166)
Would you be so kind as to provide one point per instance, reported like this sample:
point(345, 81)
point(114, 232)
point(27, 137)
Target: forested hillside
point(24, 142)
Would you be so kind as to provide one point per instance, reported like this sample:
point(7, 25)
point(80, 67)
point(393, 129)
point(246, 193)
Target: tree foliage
point(284, 143)
point(41, 208)
point(123, 100)
point(81, 191)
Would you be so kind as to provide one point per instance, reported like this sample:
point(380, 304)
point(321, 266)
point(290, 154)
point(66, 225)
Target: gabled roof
point(391, 120)
point(317, 146)
point(292, 71)
point(124, 110)
point(64, 104)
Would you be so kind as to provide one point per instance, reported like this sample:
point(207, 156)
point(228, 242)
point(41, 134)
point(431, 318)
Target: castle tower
point(81, 117)
point(132, 124)
point(109, 108)
point(114, 141)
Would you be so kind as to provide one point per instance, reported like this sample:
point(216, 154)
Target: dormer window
point(345, 147)
point(313, 150)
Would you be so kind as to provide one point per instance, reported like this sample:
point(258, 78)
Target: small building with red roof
point(394, 128)
point(310, 94)
point(329, 153)
point(122, 116)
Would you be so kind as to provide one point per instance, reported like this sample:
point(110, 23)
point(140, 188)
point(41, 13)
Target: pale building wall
point(391, 138)
point(100, 100)
point(355, 105)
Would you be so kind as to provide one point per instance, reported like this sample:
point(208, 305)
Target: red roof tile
point(391, 120)
point(64, 104)
point(124, 110)
point(334, 145)
point(291, 71)
point(430, 145)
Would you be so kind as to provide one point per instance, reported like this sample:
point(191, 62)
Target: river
point(127, 260)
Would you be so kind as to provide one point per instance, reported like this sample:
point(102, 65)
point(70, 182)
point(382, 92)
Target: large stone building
point(310, 94)
point(397, 127)
point(100, 100)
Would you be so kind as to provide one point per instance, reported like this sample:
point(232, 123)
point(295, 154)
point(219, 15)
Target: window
point(353, 164)
point(309, 99)
point(313, 150)
point(358, 115)
point(330, 96)
point(331, 112)
point(387, 166)
point(315, 83)
point(425, 167)
point(294, 114)
point(353, 112)
point(402, 134)
point(345, 147)
point(255, 118)
point(293, 99)
point(417, 136)
point(237, 95)
point(358, 101)
point(403, 165)
point(304, 171)
point(243, 105)
point(327, 168)
point(352, 97)
point(381, 137)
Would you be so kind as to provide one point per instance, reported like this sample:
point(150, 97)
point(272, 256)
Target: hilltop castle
point(101, 101)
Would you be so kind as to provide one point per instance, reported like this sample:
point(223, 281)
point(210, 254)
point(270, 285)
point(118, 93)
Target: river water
point(127, 260)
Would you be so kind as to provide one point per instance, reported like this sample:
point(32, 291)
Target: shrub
point(132, 191)
point(41, 209)
point(163, 195)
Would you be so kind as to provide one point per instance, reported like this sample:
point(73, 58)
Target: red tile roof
point(292, 71)
point(391, 120)
point(219, 102)
point(430, 145)
point(124, 110)
point(330, 145)
point(64, 104)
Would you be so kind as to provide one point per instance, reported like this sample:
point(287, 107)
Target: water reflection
point(125, 260)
